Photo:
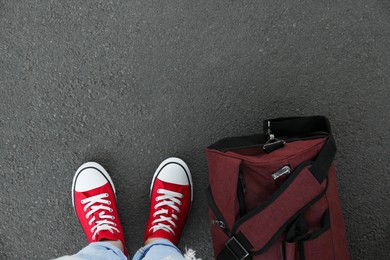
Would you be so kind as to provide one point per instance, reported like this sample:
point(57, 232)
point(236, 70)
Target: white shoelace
point(168, 198)
point(96, 203)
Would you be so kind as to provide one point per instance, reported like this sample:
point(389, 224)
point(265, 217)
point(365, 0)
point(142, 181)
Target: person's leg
point(94, 201)
point(159, 249)
point(97, 250)
point(171, 195)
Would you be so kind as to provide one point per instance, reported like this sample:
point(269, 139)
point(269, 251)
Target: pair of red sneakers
point(94, 201)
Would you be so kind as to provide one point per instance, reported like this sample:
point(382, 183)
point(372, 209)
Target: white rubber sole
point(91, 165)
point(179, 162)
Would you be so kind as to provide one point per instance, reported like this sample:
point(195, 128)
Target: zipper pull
point(219, 223)
point(273, 143)
point(282, 171)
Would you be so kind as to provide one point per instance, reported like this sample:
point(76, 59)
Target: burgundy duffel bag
point(274, 195)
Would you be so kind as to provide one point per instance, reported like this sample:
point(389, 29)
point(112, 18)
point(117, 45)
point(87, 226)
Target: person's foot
point(94, 201)
point(170, 200)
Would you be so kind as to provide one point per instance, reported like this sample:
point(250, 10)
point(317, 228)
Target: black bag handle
point(289, 128)
point(295, 127)
point(239, 142)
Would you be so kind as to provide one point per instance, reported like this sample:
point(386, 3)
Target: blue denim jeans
point(159, 249)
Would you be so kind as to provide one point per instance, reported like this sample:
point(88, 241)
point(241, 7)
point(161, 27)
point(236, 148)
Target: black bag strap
point(323, 162)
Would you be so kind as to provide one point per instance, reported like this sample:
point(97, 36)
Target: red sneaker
point(170, 200)
point(94, 201)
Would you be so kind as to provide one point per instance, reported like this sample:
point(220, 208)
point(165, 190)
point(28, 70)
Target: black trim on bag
point(298, 232)
point(273, 197)
point(254, 212)
point(325, 227)
point(283, 227)
point(294, 234)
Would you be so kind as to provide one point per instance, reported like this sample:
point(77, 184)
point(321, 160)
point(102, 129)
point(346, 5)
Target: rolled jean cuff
point(165, 249)
point(97, 251)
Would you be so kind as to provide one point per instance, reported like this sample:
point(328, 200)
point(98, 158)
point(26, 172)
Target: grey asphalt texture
point(130, 83)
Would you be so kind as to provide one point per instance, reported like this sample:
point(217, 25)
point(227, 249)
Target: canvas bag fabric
point(295, 216)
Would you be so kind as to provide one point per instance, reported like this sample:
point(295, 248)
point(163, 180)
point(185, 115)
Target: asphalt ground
point(130, 83)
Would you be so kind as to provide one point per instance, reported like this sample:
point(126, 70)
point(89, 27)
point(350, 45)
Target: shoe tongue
point(172, 186)
point(106, 235)
point(98, 190)
point(179, 180)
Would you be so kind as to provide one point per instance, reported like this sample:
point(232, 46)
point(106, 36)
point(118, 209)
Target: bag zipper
point(284, 257)
point(241, 180)
point(218, 223)
point(241, 190)
point(220, 220)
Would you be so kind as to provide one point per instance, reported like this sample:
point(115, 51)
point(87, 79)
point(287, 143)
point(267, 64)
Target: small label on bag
point(282, 171)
